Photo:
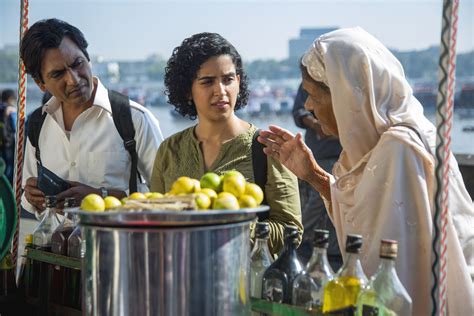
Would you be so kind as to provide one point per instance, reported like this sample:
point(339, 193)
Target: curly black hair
point(185, 62)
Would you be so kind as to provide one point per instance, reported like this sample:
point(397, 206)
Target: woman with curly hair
point(205, 79)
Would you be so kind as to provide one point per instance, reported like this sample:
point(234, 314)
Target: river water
point(462, 141)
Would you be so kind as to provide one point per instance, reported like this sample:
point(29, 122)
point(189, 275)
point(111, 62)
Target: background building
point(297, 46)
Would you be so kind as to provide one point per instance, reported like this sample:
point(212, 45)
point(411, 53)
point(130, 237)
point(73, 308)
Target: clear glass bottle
point(277, 282)
point(308, 287)
point(340, 294)
point(260, 258)
point(44, 231)
point(385, 294)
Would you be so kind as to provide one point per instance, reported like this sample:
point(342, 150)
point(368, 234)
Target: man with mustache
point(78, 139)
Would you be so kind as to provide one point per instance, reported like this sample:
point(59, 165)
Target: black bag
point(49, 182)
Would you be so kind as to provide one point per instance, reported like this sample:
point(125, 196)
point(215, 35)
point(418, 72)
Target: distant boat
point(468, 128)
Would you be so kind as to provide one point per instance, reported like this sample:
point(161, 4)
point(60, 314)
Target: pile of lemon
point(229, 191)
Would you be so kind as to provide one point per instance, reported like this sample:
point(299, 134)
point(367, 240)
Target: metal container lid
point(160, 218)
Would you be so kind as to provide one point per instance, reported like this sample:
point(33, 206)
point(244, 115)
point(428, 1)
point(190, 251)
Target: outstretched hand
point(289, 150)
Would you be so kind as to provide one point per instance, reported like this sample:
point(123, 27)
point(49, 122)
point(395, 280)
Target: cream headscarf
point(368, 88)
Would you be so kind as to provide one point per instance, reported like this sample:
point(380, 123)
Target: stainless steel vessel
point(167, 263)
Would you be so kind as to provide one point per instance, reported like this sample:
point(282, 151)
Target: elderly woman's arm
point(292, 152)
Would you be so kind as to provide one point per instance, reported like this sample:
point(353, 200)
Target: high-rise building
point(297, 46)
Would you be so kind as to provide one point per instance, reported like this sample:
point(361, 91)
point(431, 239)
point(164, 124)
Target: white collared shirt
point(93, 153)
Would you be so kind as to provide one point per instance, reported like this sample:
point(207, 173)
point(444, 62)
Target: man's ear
point(40, 85)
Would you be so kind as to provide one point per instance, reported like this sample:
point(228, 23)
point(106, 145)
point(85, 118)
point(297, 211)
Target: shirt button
point(73, 164)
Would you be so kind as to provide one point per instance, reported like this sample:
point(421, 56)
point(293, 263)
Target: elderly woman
point(205, 79)
point(383, 183)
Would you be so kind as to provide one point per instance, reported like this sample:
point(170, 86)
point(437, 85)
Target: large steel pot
point(166, 263)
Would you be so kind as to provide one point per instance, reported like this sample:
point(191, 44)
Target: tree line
point(422, 64)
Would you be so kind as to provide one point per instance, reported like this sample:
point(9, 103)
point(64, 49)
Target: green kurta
point(181, 155)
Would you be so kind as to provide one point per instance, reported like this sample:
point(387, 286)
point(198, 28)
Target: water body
point(462, 142)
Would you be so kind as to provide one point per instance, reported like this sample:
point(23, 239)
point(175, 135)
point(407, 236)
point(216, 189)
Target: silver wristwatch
point(104, 192)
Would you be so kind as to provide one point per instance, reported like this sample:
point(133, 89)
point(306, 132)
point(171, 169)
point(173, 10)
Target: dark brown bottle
point(8, 289)
point(277, 282)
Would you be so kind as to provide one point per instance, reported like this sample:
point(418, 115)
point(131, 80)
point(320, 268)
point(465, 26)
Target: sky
point(135, 29)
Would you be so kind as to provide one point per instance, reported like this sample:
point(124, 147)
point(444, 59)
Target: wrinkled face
point(319, 102)
point(67, 74)
point(215, 89)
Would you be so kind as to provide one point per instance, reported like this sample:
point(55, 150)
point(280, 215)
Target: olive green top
point(181, 155)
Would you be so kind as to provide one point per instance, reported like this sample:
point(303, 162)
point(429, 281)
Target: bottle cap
point(29, 239)
point(262, 230)
point(50, 201)
point(353, 243)
point(291, 231)
point(388, 249)
point(321, 238)
point(69, 202)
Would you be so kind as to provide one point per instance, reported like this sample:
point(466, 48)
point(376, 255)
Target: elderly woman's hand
point(292, 152)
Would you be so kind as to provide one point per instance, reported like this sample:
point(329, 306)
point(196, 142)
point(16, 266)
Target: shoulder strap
point(417, 132)
point(122, 116)
point(259, 163)
point(35, 122)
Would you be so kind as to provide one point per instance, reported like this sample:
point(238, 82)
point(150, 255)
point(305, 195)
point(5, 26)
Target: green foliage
point(421, 64)
point(8, 67)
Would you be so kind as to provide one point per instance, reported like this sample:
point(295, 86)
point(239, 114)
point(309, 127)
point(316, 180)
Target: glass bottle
point(27, 282)
point(277, 282)
point(74, 284)
point(385, 294)
point(44, 231)
point(23, 276)
point(8, 289)
point(59, 239)
point(308, 287)
point(260, 258)
point(340, 294)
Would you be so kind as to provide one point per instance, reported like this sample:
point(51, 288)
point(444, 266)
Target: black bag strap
point(35, 122)
point(259, 163)
point(122, 116)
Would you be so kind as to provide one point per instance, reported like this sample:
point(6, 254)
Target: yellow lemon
point(124, 200)
point(211, 181)
point(210, 193)
point(197, 185)
point(93, 203)
point(203, 201)
point(231, 173)
point(234, 184)
point(154, 195)
point(247, 201)
point(225, 201)
point(182, 185)
point(112, 202)
point(255, 191)
point(137, 196)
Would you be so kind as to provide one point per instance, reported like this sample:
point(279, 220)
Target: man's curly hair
point(185, 62)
